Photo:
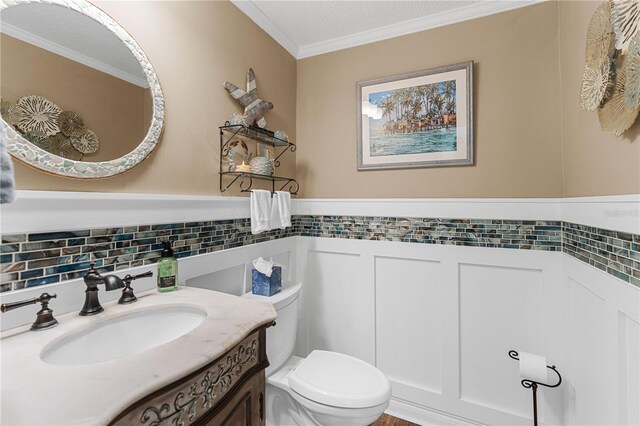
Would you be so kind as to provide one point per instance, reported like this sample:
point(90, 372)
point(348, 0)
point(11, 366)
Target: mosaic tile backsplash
point(35, 259)
point(29, 260)
point(616, 253)
point(516, 234)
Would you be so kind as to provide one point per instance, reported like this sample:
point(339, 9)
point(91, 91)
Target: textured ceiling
point(309, 22)
point(73, 35)
point(311, 27)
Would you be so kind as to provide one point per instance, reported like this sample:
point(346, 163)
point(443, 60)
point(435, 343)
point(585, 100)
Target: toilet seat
point(339, 380)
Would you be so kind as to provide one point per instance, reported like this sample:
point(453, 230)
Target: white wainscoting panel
point(445, 318)
point(602, 344)
point(341, 297)
point(629, 371)
point(588, 360)
point(408, 294)
point(500, 309)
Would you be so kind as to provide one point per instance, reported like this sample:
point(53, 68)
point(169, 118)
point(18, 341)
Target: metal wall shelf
point(231, 132)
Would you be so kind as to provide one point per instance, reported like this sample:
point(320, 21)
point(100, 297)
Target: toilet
point(325, 388)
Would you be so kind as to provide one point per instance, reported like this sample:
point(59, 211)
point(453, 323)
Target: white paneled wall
point(439, 321)
point(602, 340)
point(340, 294)
point(408, 293)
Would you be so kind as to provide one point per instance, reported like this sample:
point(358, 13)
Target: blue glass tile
point(31, 273)
point(42, 281)
point(32, 255)
point(167, 226)
point(49, 262)
point(58, 235)
point(15, 238)
point(67, 268)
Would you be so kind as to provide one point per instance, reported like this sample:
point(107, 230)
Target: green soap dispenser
point(167, 269)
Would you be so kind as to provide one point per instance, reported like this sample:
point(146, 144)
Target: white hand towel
point(281, 210)
point(260, 211)
point(276, 222)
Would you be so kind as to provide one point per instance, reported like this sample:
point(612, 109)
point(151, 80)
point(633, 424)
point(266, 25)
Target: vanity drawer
point(203, 394)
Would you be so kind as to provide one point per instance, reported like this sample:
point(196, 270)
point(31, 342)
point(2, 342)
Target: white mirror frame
point(25, 151)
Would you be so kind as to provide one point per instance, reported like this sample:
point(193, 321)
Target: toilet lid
point(340, 380)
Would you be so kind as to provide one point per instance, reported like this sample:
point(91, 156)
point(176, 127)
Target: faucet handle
point(127, 291)
point(44, 317)
point(92, 278)
point(135, 277)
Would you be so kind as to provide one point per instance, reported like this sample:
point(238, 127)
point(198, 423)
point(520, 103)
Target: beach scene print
point(413, 120)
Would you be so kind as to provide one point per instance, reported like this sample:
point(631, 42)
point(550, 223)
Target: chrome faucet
point(111, 282)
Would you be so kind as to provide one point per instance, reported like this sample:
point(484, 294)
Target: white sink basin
point(123, 336)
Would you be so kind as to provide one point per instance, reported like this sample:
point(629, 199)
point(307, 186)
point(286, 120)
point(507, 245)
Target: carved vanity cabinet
point(228, 391)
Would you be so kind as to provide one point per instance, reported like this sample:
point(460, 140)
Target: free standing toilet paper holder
point(533, 385)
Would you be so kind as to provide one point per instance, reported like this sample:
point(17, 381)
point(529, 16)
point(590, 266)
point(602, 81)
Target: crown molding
point(477, 10)
point(45, 44)
point(263, 21)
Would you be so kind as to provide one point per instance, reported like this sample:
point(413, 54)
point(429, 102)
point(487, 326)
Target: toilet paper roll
point(533, 367)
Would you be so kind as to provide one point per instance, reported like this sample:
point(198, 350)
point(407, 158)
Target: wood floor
point(387, 420)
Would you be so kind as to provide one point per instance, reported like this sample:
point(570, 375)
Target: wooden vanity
point(228, 391)
point(211, 375)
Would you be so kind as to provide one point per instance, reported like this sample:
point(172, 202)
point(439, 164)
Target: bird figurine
point(254, 107)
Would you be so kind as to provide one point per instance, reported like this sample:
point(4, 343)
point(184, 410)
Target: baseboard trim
point(425, 416)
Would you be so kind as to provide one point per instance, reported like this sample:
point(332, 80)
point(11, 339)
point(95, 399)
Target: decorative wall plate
point(10, 112)
point(71, 123)
point(87, 143)
point(632, 89)
point(625, 16)
point(594, 86)
point(62, 147)
point(39, 139)
point(615, 116)
point(38, 113)
point(600, 40)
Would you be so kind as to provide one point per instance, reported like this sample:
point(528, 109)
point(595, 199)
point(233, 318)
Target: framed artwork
point(419, 119)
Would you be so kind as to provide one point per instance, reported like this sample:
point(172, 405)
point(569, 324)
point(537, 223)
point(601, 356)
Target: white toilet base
point(286, 408)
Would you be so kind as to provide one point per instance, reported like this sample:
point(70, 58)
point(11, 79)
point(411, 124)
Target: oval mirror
point(79, 96)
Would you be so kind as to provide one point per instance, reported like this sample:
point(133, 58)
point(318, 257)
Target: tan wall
point(517, 110)
point(99, 98)
point(595, 163)
point(529, 129)
point(194, 47)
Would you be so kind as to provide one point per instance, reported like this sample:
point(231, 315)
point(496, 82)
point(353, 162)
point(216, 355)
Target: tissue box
point(264, 285)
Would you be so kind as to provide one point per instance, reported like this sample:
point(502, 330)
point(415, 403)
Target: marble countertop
point(37, 393)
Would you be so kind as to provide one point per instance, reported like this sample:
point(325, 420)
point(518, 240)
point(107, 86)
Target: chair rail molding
point(86, 210)
point(81, 210)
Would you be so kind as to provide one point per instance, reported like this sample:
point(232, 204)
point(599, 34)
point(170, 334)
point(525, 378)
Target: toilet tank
point(281, 338)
